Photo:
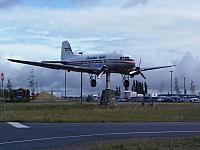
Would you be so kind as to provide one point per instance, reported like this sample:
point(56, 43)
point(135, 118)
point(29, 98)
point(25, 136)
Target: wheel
point(126, 83)
point(93, 83)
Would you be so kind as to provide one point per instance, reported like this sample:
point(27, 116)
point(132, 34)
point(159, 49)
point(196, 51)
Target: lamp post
point(4, 107)
point(81, 53)
point(2, 79)
point(65, 84)
point(171, 80)
point(184, 85)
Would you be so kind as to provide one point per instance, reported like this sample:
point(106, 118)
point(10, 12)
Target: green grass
point(152, 144)
point(76, 112)
point(192, 143)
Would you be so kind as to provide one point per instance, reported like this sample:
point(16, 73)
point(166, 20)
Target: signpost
point(4, 107)
point(65, 84)
point(2, 79)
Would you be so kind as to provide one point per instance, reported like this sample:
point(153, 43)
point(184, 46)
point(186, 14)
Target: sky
point(159, 32)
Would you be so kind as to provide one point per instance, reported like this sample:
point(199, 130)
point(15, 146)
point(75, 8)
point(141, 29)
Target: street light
point(171, 81)
point(65, 84)
point(4, 106)
point(184, 85)
point(2, 79)
point(81, 53)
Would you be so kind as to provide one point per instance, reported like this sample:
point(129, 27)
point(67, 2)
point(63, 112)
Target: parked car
point(194, 100)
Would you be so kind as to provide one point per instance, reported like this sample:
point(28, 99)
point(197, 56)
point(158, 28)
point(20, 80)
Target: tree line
point(137, 86)
point(192, 88)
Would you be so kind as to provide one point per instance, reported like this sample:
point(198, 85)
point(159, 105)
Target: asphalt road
point(44, 135)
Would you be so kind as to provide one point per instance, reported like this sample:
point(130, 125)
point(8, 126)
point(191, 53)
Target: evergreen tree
point(142, 88)
point(9, 89)
point(176, 86)
point(137, 87)
point(119, 91)
point(192, 88)
point(133, 86)
point(9, 85)
point(145, 88)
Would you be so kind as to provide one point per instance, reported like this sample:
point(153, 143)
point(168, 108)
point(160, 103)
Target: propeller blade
point(142, 75)
point(100, 75)
point(140, 62)
point(103, 71)
point(132, 72)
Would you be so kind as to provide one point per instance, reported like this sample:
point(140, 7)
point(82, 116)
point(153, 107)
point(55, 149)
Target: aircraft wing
point(154, 68)
point(57, 66)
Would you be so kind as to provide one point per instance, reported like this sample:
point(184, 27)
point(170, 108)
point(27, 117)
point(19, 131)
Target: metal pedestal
point(108, 95)
point(108, 81)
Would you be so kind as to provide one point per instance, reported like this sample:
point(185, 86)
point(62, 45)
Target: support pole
point(4, 106)
point(184, 85)
point(65, 84)
point(81, 87)
point(171, 82)
point(108, 95)
point(2, 89)
point(108, 87)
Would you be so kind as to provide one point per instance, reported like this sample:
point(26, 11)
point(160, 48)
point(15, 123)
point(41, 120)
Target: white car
point(194, 100)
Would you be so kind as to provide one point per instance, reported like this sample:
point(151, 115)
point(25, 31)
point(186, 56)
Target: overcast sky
point(159, 32)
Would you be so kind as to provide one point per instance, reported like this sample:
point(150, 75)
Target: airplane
point(95, 65)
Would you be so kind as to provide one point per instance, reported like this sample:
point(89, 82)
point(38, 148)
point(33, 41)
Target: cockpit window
point(124, 58)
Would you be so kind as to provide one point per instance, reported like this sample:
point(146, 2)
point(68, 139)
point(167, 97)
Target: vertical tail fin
point(66, 51)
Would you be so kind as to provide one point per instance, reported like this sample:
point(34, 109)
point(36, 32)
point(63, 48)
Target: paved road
point(42, 135)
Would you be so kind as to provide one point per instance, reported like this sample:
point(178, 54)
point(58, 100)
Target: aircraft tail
point(66, 51)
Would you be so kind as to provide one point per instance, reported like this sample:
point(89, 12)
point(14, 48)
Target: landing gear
point(126, 83)
point(93, 81)
point(125, 79)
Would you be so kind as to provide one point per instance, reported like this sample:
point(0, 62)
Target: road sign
point(2, 77)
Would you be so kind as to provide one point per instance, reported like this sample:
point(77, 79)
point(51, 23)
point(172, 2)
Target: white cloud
point(159, 32)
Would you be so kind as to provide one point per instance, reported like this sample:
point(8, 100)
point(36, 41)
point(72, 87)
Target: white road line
point(17, 125)
point(92, 135)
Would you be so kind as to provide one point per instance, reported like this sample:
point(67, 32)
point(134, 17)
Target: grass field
point(76, 112)
point(192, 143)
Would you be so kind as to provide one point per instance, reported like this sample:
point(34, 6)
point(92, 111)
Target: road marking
point(18, 125)
point(92, 135)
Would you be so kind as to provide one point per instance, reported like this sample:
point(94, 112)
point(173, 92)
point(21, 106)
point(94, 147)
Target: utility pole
point(171, 81)
point(32, 84)
point(184, 85)
point(2, 79)
point(3, 99)
point(81, 87)
point(65, 84)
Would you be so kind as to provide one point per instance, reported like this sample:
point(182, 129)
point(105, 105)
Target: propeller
point(103, 71)
point(138, 71)
point(140, 62)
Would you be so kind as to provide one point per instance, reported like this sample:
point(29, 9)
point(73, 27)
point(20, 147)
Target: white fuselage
point(115, 63)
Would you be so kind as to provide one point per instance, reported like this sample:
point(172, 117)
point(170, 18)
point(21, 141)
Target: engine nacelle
point(93, 83)
point(137, 69)
point(104, 68)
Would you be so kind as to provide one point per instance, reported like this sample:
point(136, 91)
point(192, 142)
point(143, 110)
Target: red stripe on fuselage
point(102, 61)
